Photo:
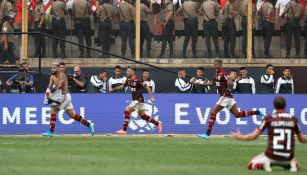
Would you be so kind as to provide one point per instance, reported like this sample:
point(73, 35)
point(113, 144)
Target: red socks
point(52, 122)
point(126, 120)
point(81, 120)
point(247, 113)
point(211, 123)
point(151, 120)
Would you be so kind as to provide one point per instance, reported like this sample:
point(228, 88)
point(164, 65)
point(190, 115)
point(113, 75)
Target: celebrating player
point(224, 85)
point(136, 86)
point(281, 129)
point(57, 94)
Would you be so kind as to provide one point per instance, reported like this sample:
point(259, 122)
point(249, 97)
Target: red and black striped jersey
point(220, 80)
point(136, 87)
point(281, 130)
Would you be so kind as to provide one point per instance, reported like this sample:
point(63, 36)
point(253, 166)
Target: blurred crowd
point(228, 16)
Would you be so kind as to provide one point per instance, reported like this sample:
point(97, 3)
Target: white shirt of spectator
point(182, 85)
point(249, 80)
point(113, 80)
point(102, 85)
point(281, 4)
point(259, 4)
point(267, 79)
point(281, 81)
point(151, 84)
point(156, 1)
point(177, 1)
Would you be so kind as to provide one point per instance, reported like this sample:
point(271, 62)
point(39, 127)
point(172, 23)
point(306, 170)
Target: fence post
point(249, 31)
point(137, 29)
point(24, 28)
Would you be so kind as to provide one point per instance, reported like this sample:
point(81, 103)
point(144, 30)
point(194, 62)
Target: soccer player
point(224, 85)
point(281, 130)
point(136, 86)
point(57, 94)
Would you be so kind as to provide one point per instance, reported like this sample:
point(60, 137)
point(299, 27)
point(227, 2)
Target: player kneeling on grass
point(57, 95)
point(136, 86)
point(281, 129)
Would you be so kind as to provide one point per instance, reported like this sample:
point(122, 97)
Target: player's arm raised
point(249, 137)
point(117, 88)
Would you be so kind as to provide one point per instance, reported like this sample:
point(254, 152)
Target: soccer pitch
point(131, 155)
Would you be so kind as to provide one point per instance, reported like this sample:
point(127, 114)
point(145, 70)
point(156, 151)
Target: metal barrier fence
point(166, 29)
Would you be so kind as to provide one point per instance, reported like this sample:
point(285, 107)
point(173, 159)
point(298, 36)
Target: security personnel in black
point(104, 16)
point(168, 28)
point(126, 12)
point(244, 4)
point(267, 12)
point(39, 26)
point(58, 12)
point(230, 12)
point(210, 10)
point(292, 14)
point(81, 11)
point(189, 9)
point(145, 31)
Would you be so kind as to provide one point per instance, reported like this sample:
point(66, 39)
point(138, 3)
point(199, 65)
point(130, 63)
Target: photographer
point(22, 82)
point(77, 81)
point(98, 83)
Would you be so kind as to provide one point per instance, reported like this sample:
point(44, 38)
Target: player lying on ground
point(281, 129)
point(136, 86)
point(224, 85)
point(61, 99)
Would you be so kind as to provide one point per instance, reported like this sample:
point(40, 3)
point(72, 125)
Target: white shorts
point(137, 106)
point(65, 103)
point(263, 162)
point(226, 102)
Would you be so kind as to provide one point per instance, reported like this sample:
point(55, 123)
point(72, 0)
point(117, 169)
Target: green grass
point(76, 155)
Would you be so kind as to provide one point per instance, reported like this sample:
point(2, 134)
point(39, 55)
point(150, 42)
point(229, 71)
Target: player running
point(281, 129)
point(224, 85)
point(136, 86)
point(57, 94)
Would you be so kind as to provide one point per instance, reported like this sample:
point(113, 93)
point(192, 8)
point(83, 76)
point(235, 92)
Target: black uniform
point(210, 10)
point(39, 26)
point(168, 30)
point(81, 10)
point(267, 26)
point(189, 10)
point(145, 31)
point(230, 29)
point(293, 11)
point(245, 86)
point(58, 10)
point(127, 27)
point(104, 15)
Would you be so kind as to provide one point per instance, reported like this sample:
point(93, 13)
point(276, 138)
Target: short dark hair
point(287, 68)
point(242, 68)
point(145, 70)
point(131, 67)
point(201, 68)
point(233, 70)
point(218, 61)
point(102, 71)
point(280, 103)
point(62, 64)
point(269, 65)
point(118, 67)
